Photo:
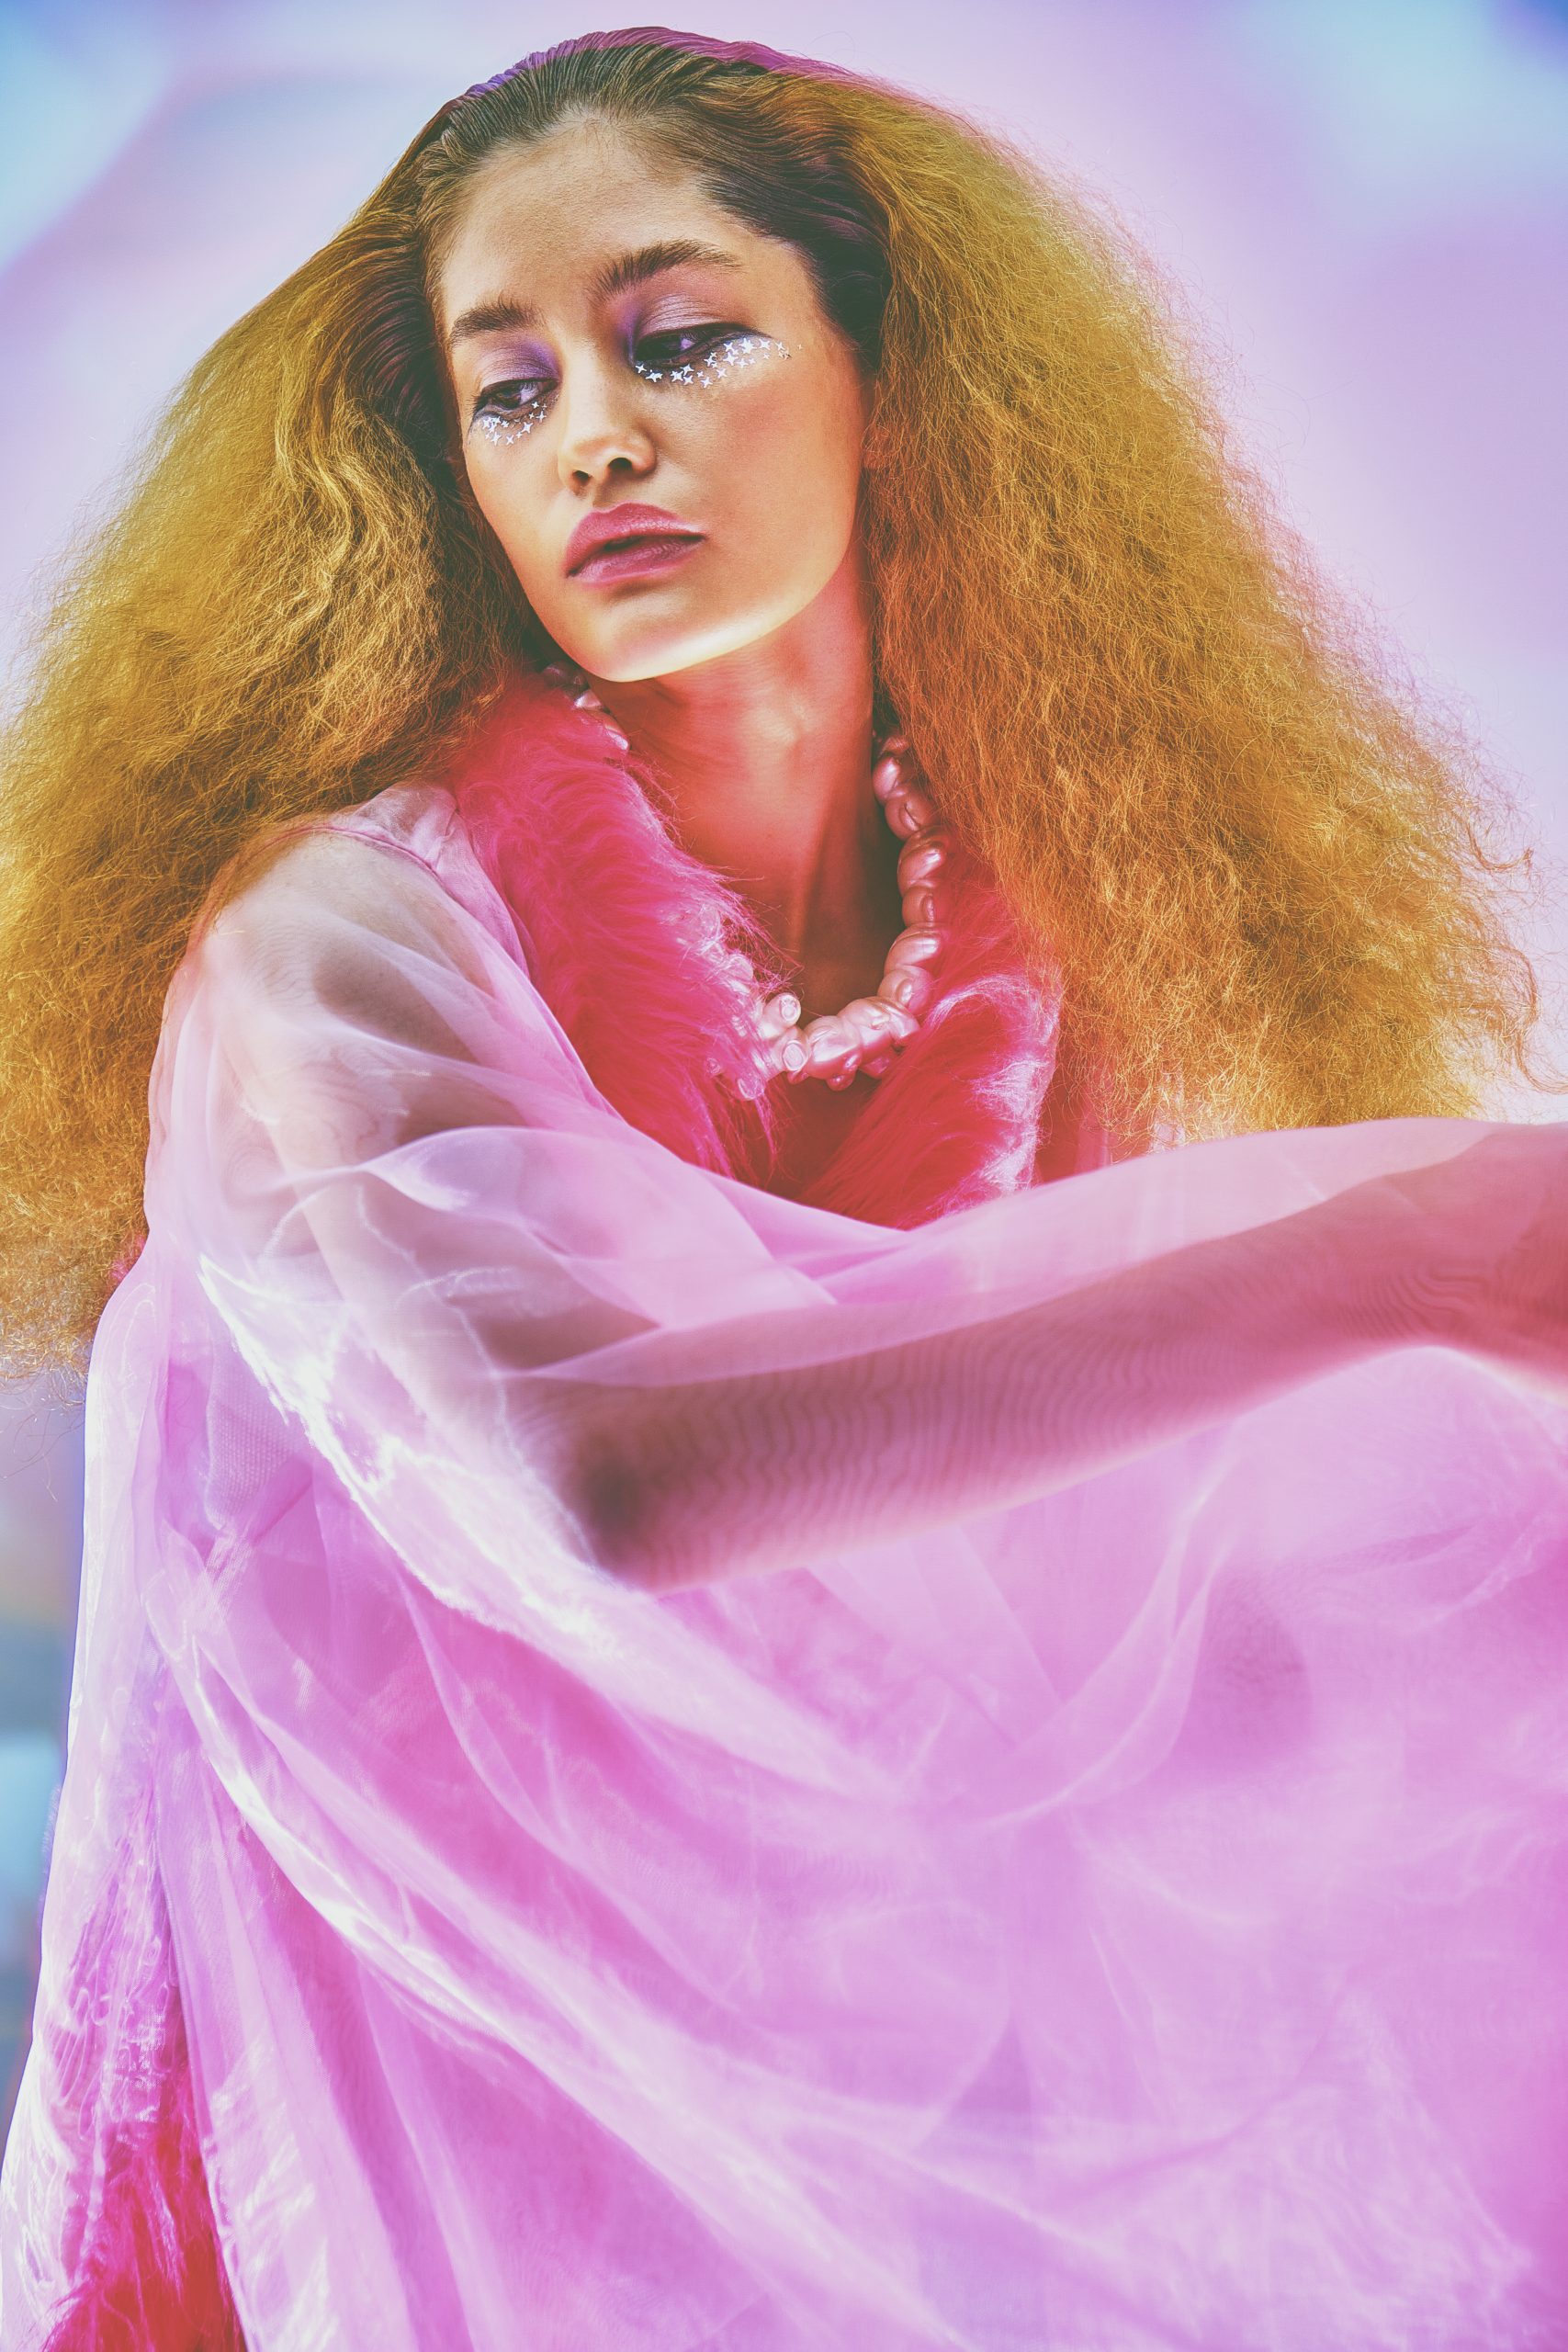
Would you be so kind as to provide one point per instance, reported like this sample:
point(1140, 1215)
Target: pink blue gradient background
point(1366, 200)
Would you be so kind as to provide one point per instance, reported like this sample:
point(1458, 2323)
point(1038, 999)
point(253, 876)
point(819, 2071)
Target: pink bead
point(909, 812)
point(793, 1054)
point(908, 990)
point(921, 858)
point(915, 947)
point(895, 743)
point(878, 1066)
point(867, 1016)
point(840, 1079)
point(921, 905)
point(780, 1011)
point(906, 1023)
point(827, 1037)
point(887, 777)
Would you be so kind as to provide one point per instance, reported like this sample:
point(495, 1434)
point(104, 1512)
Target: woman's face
point(616, 340)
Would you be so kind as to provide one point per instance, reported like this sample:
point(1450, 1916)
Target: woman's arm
point(721, 1477)
point(682, 1484)
point(492, 1305)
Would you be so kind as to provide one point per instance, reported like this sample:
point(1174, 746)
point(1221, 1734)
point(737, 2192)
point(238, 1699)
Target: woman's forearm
point(685, 1483)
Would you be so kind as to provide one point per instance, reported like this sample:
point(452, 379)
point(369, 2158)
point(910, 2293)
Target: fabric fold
point(1131, 1917)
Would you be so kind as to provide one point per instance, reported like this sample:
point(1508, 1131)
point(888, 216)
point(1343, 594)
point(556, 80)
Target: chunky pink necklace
point(871, 1029)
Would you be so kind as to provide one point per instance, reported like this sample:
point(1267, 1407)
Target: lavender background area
point(1366, 200)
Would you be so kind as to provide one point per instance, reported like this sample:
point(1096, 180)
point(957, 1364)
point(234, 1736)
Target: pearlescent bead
point(827, 1037)
point(867, 1016)
point(586, 700)
point(920, 902)
point(838, 1079)
point(794, 1054)
point(921, 858)
point(878, 1065)
point(911, 813)
point(886, 779)
point(914, 947)
point(831, 1045)
point(781, 1010)
point(908, 990)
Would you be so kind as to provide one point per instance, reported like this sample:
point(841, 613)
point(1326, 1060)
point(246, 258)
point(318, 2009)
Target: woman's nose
point(600, 429)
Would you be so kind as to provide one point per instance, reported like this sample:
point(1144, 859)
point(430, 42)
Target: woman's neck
point(766, 754)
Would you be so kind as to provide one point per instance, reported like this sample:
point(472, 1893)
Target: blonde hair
point(1260, 869)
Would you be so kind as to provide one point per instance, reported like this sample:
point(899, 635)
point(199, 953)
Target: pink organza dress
point(1132, 1915)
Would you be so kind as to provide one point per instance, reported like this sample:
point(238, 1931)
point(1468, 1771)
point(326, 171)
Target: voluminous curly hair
point(1260, 869)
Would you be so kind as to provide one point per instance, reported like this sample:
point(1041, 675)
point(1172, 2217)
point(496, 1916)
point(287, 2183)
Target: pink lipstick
point(628, 559)
point(623, 542)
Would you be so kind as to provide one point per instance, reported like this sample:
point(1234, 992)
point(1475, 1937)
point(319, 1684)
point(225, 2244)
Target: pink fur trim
point(150, 2277)
point(578, 838)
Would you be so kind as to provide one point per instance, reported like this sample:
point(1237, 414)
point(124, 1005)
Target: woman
point(751, 1674)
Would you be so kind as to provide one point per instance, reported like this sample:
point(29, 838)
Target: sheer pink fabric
point(1129, 1912)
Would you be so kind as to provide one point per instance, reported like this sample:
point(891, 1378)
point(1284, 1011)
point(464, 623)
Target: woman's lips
point(629, 559)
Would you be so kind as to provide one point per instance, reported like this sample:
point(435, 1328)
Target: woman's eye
point(509, 398)
point(679, 342)
point(658, 355)
point(693, 354)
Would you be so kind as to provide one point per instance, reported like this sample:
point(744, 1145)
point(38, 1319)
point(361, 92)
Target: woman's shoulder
point(420, 819)
point(341, 854)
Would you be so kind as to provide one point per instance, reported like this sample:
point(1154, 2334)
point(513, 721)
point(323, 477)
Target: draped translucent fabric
point(788, 1877)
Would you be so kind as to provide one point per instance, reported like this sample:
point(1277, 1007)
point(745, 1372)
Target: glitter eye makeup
point(720, 359)
point(506, 424)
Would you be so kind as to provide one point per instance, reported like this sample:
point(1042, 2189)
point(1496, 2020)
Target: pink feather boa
point(627, 935)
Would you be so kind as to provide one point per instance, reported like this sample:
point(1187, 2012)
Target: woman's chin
point(663, 652)
point(659, 656)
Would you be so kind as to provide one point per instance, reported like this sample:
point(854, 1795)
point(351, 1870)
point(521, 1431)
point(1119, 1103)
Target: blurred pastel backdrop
point(1366, 202)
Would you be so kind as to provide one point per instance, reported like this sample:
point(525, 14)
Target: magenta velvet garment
point(1124, 1915)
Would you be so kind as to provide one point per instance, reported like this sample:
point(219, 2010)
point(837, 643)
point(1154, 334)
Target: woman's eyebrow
point(631, 269)
point(500, 314)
